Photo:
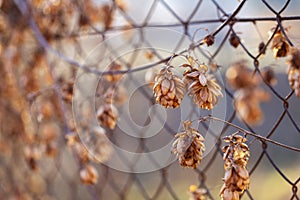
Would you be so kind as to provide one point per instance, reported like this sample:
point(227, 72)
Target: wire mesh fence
point(75, 71)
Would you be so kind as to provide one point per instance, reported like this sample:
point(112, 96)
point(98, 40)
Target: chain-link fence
point(63, 59)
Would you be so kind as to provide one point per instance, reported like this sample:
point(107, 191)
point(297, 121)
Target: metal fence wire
point(54, 52)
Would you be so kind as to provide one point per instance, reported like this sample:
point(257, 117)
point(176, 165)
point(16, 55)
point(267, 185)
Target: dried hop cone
point(32, 154)
point(168, 88)
point(294, 70)
point(280, 46)
point(203, 87)
point(51, 148)
point(197, 193)
point(239, 76)
point(209, 40)
point(72, 139)
point(107, 115)
point(262, 48)
point(269, 76)
point(89, 175)
point(67, 91)
point(236, 156)
point(248, 94)
point(81, 152)
point(247, 104)
point(234, 40)
point(188, 146)
point(114, 78)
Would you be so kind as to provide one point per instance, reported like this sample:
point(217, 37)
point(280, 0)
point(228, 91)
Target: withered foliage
point(197, 193)
point(168, 88)
point(293, 70)
point(248, 95)
point(235, 155)
point(107, 115)
point(209, 40)
point(280, 45)
point(188, 146)
point(262, 48)
point(268, 75)
point(201, 85)
point(114, 78)
point(234, 40)
point(89, 175)
point(35, 95)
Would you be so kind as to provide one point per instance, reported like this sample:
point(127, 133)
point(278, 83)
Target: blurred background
point(55, 50)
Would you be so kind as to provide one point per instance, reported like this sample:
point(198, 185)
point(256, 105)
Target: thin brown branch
point(221, 27)
point(259, 137)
